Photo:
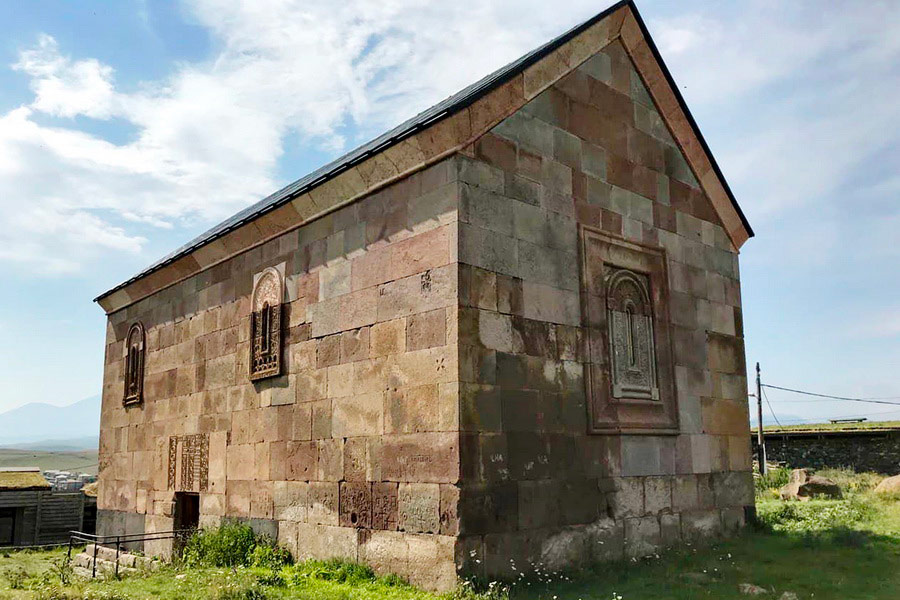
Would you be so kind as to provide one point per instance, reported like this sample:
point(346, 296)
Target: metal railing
point(106, 540)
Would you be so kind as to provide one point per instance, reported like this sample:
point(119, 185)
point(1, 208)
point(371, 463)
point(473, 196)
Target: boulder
point(749, 589)
point(803, 486)
point(890, 485)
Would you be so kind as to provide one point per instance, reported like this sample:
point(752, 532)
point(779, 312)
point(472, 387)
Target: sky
point(127, 128)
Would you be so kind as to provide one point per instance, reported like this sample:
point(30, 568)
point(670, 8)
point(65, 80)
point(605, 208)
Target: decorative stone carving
point(189, 458)
point(630, 324)
point(629, 374)
point(265, 325)
point(134, 365)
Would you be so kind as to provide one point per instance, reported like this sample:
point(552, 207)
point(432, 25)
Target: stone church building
point(506, 333)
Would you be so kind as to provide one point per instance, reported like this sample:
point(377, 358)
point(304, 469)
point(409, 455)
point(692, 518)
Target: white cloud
point(800, 91)
point(209, 136)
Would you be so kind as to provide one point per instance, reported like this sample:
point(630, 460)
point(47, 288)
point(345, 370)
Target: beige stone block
point(212, 504)
point(323, 542)
point(426, 330)
point(355, 345)
point(432, 365)
point(261, 457)
point(724, 417)
point(237, 498)
point(287, 535)
point(386, 552)
point(358, 309)
point(358, 415)
point(657, 495)
point(323, 503)
point(241, 462)
point(418, 507)
point(340, 380)
point(387, 338)
point(330, 459)
point(420, 253)
point(642, 536)
point(545, 303)
point(432, 564)
point(426, 291)
point(261, 506)
point(311, 384)
point(334, 280)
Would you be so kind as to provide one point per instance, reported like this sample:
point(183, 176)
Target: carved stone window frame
point(612, 409)
point(266, 310)
point(134, 359)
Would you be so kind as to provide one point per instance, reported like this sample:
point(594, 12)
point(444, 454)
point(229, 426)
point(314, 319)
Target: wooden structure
point(31, 514)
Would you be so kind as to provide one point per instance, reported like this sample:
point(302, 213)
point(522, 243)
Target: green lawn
point(827, 549)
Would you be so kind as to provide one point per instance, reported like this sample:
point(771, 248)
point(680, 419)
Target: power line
point(869, 400)
point(771, 410)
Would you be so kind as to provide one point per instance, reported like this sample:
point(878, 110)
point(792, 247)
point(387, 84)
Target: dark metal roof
point(439, 111)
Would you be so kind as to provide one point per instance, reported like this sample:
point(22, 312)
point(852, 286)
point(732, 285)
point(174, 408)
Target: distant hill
point(84, 461)
point(41, 426)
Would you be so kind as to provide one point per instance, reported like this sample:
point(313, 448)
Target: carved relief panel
point(189, 462)
point(134, 365)
point(265, 324)
point(630, 381)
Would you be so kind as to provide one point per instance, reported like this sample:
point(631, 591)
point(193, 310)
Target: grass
point(82, 461)
point(831, 426)
point(823, 549)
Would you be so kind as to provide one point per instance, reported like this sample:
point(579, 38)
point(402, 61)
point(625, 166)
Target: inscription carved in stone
point(630, 325)
point(189, 462)
point(265, 325)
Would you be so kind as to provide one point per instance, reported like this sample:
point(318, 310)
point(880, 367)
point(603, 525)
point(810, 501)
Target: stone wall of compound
point(590, 151)
point(353, 451)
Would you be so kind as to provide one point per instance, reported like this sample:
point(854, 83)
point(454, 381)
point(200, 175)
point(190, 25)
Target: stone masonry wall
point(432, 418)
point(861, 451)
point(537, 489)
point(353, 452)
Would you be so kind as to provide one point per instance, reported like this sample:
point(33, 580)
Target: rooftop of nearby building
point(22, 478)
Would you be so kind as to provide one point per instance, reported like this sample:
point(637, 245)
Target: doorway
point(187, 510)
point(7, 526)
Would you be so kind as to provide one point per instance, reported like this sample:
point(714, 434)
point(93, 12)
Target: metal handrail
point(103, 540)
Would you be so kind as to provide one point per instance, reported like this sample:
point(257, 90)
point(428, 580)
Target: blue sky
point(127, 128)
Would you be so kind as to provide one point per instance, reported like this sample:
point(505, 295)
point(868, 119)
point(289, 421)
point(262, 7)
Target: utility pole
point(760, 438)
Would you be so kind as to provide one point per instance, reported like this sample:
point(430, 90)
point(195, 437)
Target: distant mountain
point(47, 427)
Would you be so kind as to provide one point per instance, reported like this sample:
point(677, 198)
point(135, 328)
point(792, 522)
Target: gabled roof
point(624, 13)
point(21, 479)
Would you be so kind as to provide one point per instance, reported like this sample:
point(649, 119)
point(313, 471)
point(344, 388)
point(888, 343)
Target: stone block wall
point(353, 451)
point(432, 418)
point(591, 151)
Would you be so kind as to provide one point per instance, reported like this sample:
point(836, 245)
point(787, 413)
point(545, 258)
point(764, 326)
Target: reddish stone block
point(384, 506)
point(328, 351)
point(496, 151)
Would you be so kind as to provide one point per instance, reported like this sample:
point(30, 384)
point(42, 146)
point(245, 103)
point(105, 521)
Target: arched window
point(134, 365)
point(265, 325)
point(630, 322)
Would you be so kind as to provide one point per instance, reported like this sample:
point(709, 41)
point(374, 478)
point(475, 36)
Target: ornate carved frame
point(608, 414)
point(266, 305)
point(134, 364)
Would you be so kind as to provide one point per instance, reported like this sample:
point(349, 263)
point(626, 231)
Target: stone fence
point(876, 450)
